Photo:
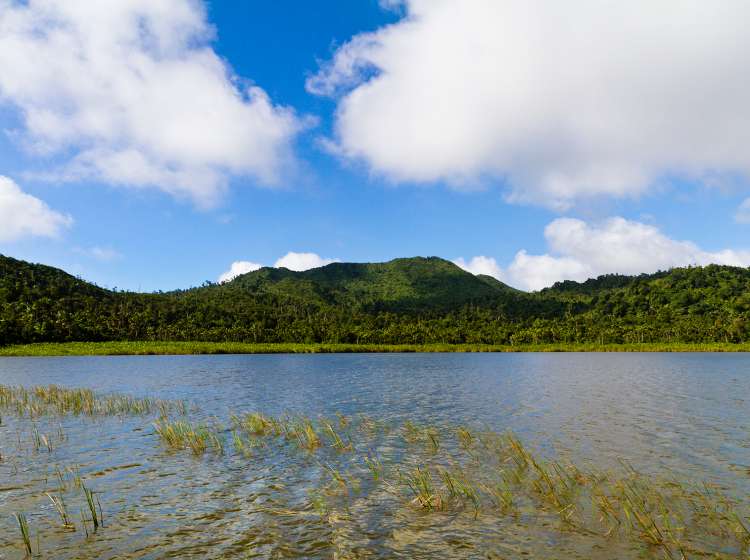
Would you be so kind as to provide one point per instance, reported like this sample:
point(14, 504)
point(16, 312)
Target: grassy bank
point(173, 348)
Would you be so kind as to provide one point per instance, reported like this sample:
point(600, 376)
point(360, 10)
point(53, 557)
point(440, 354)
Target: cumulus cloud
point(238, 268)
point(23, 215)
point(131, 92)
point(579, 250)
point(557, 100)
point(481, 265)
point(292, 261)
point(302, 261)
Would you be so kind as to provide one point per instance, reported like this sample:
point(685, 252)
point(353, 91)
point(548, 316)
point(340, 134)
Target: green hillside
point(404, 301)
point(400, 285)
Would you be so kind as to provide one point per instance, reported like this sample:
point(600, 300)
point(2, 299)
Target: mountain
point(413, 300)
point(414, 284)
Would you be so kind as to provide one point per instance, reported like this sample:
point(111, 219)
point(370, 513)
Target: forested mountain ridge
point(415, 300)
point(416, 284)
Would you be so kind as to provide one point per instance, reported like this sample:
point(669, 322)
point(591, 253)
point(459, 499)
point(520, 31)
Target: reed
point(420, 483)
point(336, 441)
point(460, 488)
point(451, 469)
point(49, 400)
point(58, 502)
point(92, 501)
point(375, 466)
point(23, 525)
point(256, 424)
point(181, 434)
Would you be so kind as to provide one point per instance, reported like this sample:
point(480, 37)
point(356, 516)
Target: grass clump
point(92, 501)
point(256, 424)
point(58, 502)
point(421, 484)
point(23, 525)
point(50, 400)
point(181, 434)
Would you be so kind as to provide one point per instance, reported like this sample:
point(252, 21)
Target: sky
point(158, 144)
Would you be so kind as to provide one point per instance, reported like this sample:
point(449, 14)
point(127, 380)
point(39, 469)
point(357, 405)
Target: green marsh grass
point(455, 470)
point(92, 501)
point(55, 400)
point(181, 434)
point(23, 525)
point(58, 502)
point(421, 484)
point(121, 348)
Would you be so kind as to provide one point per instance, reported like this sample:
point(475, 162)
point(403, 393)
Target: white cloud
point(302, 261)
point(103, 254)
point(742, 215)
point(481, 265)
point(238, 268)
point(534, 272)
point(578, 251)
point(23, 215)
point(133, 92)
point(560, 100)
point(293, 261)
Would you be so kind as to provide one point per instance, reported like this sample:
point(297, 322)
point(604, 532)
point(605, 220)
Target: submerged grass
point(56, 400)
point(23, 525)
point(428, 470)
point(181, 434)
point(121, 348)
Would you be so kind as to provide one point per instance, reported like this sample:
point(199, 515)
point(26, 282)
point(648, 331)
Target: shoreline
point(149, 348)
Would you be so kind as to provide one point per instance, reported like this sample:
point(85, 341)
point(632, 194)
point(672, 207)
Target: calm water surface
point(687, 414)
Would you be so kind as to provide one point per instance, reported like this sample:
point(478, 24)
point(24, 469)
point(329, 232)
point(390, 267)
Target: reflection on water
point(684, 415)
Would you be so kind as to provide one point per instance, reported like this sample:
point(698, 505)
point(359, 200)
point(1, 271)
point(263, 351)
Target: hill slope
point(415, 300)
point(413, 285)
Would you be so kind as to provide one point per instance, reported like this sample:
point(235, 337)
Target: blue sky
point(389, 137)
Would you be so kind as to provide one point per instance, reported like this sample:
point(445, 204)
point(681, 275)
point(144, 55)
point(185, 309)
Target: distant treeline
point(406, 301)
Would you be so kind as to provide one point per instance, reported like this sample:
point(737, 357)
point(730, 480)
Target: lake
point(667, 416)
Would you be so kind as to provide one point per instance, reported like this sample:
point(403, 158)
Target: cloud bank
point(237, 269)
point(23, 215)
point(131, 93)
point(292, 261)
point(558, 100)
point(302, 261)
point(579, 250)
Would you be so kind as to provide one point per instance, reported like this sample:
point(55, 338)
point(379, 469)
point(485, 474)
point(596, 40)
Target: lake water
point(679, 415)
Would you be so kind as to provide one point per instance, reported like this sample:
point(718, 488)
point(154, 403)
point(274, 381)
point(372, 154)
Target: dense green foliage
point(405, 301)
point(155, 347)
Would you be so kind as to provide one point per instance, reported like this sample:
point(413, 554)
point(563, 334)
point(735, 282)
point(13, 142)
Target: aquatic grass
point(616, 505)
point(92, 501)
point(375, 466)
point(23, 525)
point(461, 488)
point(464, 472)
point(502, 495)
point(337, 477)
point(256, 424)
point(420, 482)
point(465, 437)
point(181, 434)
point(336, 440)
point(58, 502)
point(307, 437)
point(38, 401)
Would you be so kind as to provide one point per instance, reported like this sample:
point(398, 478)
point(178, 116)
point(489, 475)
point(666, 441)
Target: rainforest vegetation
point(404, 301)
